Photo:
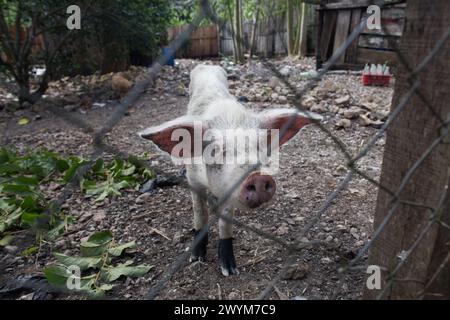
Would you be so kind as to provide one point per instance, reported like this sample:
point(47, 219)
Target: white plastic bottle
point(379, 70)
point(366, 69)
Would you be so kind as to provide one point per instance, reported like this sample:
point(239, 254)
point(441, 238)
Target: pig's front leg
point(200, 220)
point(226, 254)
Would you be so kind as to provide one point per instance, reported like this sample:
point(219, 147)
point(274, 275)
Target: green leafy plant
point(107, 180)
point(22, 179)
point(96, 264)
point(22, 203)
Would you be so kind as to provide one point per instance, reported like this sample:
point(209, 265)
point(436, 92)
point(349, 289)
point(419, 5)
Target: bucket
point(170, 58)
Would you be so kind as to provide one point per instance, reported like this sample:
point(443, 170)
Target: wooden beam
point(353, 4)
point(352, 51)
point(319, 58)
point(342, 28)
point(376, 56)
point(328, 31)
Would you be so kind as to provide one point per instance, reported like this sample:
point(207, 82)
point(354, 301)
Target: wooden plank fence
point(271, 38)
point(203, 42)
point(37, 44)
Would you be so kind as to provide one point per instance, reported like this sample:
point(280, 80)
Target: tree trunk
point(238, 31)
point(254, 27)
point(290, 27)
point(409, 136)
point(303, 30)
point(233, 32)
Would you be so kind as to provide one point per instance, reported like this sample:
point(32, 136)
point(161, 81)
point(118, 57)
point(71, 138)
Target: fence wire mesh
point(295, 248)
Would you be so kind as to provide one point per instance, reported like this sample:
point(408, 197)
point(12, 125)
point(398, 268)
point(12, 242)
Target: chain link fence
point(294, 248)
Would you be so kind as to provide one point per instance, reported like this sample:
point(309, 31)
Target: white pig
point(213, 108)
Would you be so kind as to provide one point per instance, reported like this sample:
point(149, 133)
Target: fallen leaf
point(23, 122)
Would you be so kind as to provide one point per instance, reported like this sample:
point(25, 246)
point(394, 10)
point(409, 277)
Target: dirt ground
point(311, 168)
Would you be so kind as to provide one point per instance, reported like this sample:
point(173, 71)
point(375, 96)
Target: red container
point(375, 80)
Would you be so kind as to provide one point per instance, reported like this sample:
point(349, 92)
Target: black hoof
point(199, 251)
point(226, 257)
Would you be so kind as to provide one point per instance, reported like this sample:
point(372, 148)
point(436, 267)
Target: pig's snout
point(256, 190)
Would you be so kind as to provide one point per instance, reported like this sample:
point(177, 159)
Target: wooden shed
point(338, 19)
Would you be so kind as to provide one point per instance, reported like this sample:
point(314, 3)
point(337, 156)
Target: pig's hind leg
point(226, 253)
point(200, 220)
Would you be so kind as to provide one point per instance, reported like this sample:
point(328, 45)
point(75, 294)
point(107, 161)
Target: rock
point(326, 260)
point(377, 124)
point(335, 109)
point(293, 195)
point(234, 295)
point(98, 105)
point(285, 71)
point(177, 237)
point(329, 239)
point(351, 113)
point(143, 198)
point(364, 120)
point(300, 298)
point(85, 217)
point(370, 106)
point(28, 296)
point(99, 215)
point(354, 233)
point(358, 244)
point(340, 170)
point(70, 107)
point(343, 123)
point(159, 83)
point(282, 99)
point(343, 100)
point(274, 82)
point(233, 77)
point(249, 76)
point(53, 186)
point(12, 106)
point(180, 91)
point(37, 108)
point(60, 243)
point(274, 96)
point(308, 102)
point(173, 100)
point(10, 249)
point(297, 271)
point(381, 114)
point(26, 105)
point(72, 99)
point(283, 229)
point(318, 108)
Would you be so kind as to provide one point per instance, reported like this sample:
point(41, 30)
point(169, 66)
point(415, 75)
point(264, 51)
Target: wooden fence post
point(410, 135)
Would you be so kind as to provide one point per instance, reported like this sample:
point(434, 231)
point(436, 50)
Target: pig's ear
point(278, 118)
point(168, 135)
